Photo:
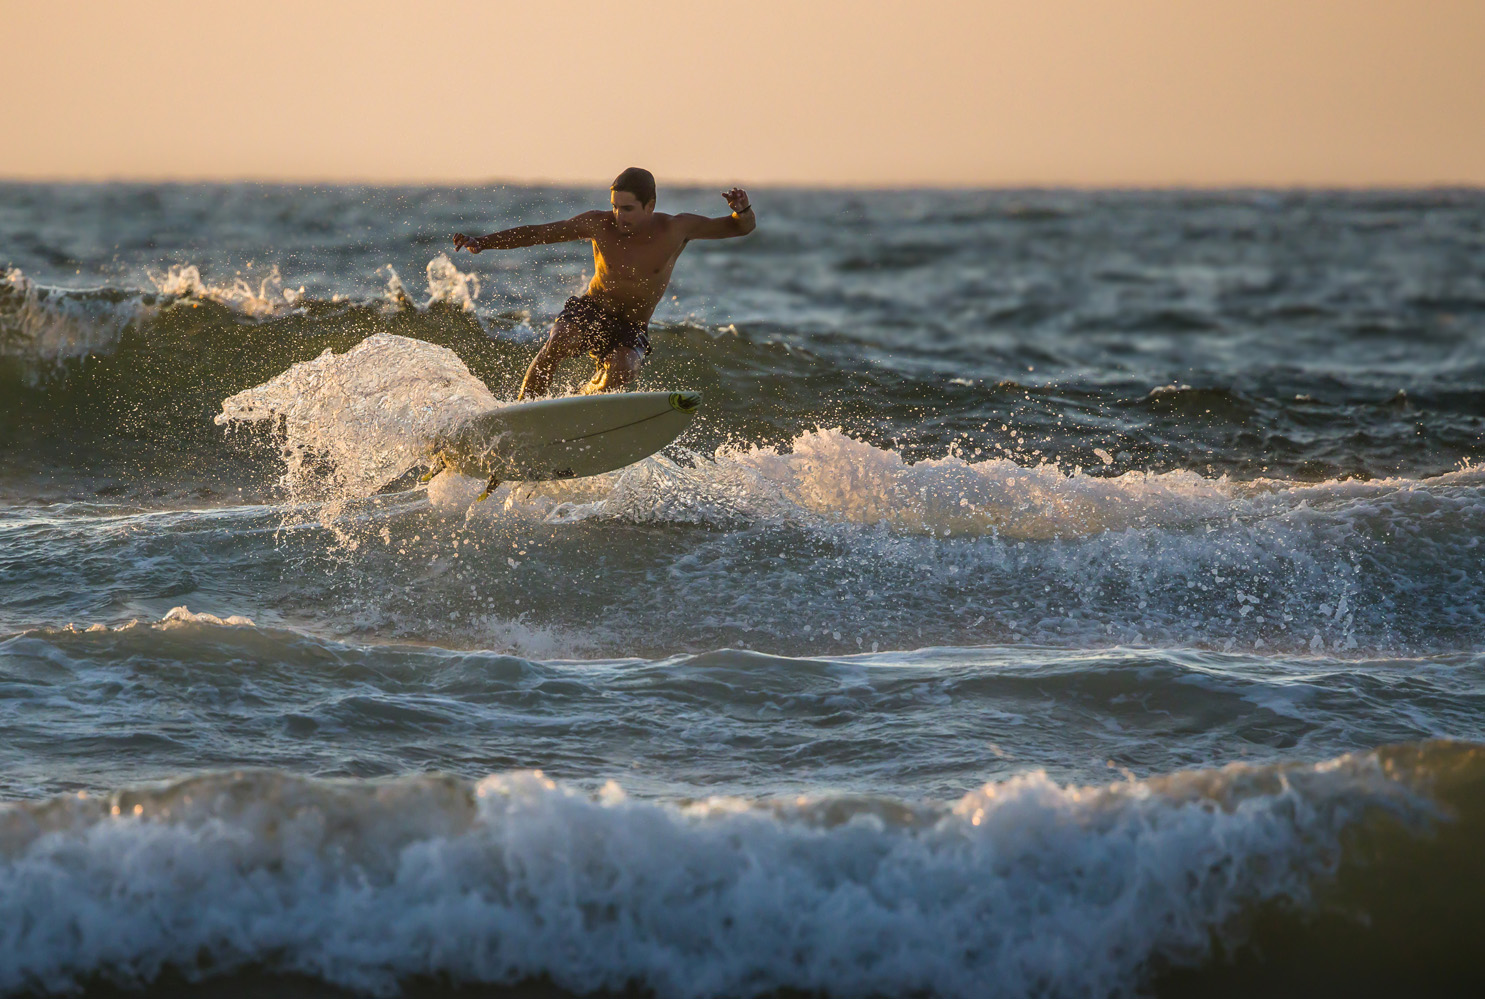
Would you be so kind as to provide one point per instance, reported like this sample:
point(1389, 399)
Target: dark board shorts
point(602, 328)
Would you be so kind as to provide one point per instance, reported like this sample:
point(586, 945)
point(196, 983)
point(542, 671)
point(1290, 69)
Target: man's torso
point(632, 270)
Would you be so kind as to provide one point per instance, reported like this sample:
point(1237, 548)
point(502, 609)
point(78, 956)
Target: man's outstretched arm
point(569, 231)
point(741, 222)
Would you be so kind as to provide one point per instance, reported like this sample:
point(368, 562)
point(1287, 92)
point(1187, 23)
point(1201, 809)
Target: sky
point(870, 93)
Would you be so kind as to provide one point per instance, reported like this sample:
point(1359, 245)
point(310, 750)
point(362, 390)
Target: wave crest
point(41, 325)
point(269, 298)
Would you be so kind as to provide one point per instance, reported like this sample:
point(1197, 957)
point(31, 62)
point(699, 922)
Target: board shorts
point(604, 329)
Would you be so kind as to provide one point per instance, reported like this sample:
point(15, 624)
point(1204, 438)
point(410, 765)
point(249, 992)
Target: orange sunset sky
point(981, 92)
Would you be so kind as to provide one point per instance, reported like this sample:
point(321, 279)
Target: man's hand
point(463, 242)
point(737, 199)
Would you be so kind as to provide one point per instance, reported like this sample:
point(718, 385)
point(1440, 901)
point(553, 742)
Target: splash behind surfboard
point(564, 438)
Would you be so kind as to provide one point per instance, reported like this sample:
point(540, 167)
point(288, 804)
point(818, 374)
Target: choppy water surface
point(1060, 594)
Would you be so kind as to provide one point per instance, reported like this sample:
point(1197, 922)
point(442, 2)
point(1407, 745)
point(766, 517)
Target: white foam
point(181, 616)
point(1022, 888)
point(826, 475)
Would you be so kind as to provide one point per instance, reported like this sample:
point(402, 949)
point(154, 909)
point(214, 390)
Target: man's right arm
point(570, 231)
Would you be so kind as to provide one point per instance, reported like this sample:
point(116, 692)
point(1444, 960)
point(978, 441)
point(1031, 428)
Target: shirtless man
point(634, 250)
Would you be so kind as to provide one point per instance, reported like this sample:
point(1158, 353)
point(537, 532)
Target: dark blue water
point(1025, 613)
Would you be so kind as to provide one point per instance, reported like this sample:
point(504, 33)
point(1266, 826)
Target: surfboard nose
point(685, 402)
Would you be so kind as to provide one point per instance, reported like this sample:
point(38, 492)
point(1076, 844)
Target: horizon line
point(691, 183)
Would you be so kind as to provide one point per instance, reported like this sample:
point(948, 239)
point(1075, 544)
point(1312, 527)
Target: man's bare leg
point(563, 343)
point(615, 371)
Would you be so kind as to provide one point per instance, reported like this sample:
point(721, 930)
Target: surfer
point(634, 250)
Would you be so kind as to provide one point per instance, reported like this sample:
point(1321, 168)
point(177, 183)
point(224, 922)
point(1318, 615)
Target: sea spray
point(353, 422)
point(268, 299)
point(447, 286)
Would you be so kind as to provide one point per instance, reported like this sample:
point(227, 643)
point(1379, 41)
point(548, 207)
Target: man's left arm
point(742, 221)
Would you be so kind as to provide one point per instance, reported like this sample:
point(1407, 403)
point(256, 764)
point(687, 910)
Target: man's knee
point(623, 363)
point(563, 342)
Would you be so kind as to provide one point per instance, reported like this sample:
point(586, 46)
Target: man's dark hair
point(638, 182)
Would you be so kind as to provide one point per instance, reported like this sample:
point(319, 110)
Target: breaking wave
point(43, 326)
point(516, 878)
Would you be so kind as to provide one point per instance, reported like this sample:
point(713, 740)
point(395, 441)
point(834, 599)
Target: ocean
point(1060, 593)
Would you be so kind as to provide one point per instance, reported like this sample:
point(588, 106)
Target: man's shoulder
point(683, 222)
point(596, 224)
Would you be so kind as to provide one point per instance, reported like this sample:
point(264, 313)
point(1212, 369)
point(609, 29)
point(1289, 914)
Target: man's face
point(628, 212)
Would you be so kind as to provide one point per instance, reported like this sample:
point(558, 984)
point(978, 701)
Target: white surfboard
point(565, 438)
